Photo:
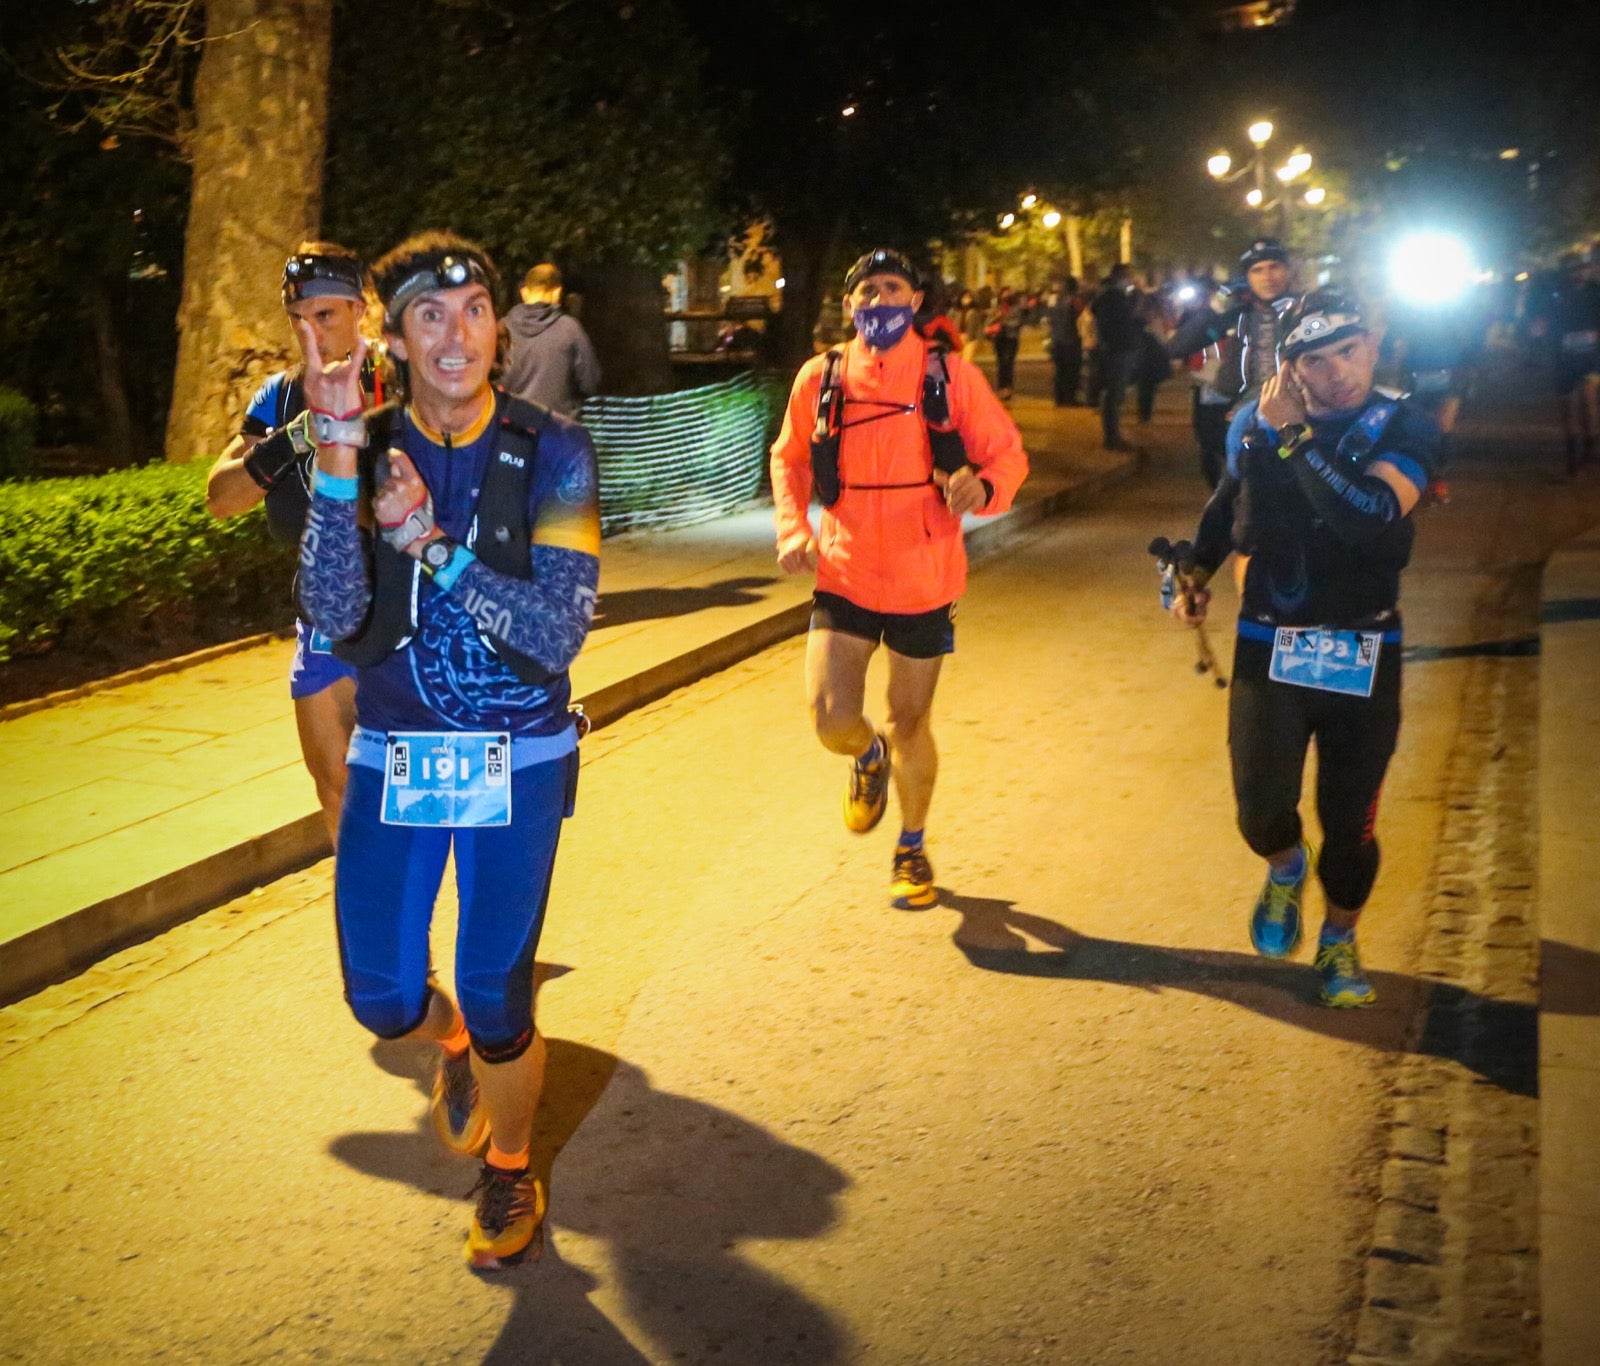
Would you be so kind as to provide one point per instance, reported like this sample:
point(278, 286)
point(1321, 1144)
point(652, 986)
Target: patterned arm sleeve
point(548, 616)
point(335, 576)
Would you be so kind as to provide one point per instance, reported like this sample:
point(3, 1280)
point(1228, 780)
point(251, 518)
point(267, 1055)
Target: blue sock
point(1294, 872)
point(910, 839)
point(1332, 935)
point(873, 755)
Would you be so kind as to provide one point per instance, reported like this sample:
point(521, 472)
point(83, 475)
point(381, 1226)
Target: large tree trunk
point(261, 115)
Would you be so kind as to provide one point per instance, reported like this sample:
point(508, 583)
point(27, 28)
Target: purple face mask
point(882, 326)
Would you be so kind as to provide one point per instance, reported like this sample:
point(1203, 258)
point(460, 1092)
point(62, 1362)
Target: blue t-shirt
point(448, 677)
point(265, 410)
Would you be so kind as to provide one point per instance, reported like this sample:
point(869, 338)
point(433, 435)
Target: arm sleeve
point(1213, 539)
point(548, 616)
point(335, 575)
point(1360, 507)
point(992, 440)
point(1196, 333)
point(791, 455)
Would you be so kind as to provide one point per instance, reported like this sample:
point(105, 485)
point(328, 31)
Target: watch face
point(436, 554)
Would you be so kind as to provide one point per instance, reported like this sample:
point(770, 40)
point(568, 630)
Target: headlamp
point(450, 271)
point(307, 275)
point(1318, 329)
point(881, 261)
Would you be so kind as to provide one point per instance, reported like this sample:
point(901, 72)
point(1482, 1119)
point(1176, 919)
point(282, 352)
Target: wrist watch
point(1291, 436)
point(327, 430)
point(436, 554)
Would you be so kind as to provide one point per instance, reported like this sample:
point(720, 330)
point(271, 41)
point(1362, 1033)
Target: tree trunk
point(116, 432)
point(622, 312)
point(261, 115)
point(807, 251)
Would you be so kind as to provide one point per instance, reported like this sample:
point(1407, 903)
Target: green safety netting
point(673, 459)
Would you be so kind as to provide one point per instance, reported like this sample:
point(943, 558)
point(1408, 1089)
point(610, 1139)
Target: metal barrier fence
point(673, 459)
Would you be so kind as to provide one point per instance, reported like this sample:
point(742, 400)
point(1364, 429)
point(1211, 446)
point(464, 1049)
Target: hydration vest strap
point(1368, 430)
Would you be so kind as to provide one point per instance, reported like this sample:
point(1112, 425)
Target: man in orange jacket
point(900, 441)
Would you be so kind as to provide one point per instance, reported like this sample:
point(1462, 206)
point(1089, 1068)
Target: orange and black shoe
point(868, 793)
point(911, 887)
point(509, 1216)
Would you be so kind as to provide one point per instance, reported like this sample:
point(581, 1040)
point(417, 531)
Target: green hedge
point(129, 552)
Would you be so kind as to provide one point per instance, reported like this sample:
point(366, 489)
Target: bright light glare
point(780, 282)
point(1315, 195)
point(1029, 200)
point(1220, 165)
point(1007, 219)
point(1186, 293)
point(1260, 133)
point(1431, 268)
point(1300, 162)
point(1510, 154)
point(1253, 199)
point(849, 111)
point(1051, 219)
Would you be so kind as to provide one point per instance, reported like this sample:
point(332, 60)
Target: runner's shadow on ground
point(1496, 1039)
point(671, 1186)
point(652, 604)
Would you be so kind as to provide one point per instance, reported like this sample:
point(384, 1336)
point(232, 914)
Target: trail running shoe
point(457, 1112)
point(1275, 922)
point(1344, 983)
point(868, 793)
point(911, 888)
point(510, 1211)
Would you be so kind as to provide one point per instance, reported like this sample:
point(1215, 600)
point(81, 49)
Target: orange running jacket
point(899, 549)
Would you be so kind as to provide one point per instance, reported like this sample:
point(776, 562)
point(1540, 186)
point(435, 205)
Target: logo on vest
point(506, 458)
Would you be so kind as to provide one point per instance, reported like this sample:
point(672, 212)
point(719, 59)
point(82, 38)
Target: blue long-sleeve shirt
point(447, 676)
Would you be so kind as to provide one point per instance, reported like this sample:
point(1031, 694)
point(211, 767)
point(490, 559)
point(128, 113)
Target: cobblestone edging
point(1452, 1275)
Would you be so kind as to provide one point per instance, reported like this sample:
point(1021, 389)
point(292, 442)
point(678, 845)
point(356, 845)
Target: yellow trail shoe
point(458, 1115)
point(510, 1213)
point(911, 887)
point(868, 793)
point(1344, 982)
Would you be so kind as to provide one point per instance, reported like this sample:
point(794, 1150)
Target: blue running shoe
point(1275, 922)
point(1344, 983)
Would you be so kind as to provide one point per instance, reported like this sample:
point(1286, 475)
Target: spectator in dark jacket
point(1121, 343)
point(1066, 346)
point(549, 359)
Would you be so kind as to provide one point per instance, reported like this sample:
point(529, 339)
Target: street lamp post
point(1260, 133)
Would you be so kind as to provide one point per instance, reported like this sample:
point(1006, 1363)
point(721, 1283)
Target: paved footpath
point(137, 805)
point(1064, 1116)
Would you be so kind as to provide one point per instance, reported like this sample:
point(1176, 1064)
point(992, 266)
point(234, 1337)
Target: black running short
point(917, 635)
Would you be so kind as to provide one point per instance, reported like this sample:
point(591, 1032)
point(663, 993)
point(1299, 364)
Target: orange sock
point(459, 1042)
point(507, 1162)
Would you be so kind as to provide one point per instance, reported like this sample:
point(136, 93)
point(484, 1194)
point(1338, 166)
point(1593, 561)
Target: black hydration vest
point(499, 537)
point(949, 451)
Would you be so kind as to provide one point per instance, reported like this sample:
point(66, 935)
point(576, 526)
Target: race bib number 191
point(1330, 661)
point(447, 778)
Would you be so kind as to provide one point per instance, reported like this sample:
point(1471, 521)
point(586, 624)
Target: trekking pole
point(1175, 562)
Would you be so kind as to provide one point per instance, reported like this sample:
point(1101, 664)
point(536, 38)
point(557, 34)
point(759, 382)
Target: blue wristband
point(460, 558)
point(332, 486)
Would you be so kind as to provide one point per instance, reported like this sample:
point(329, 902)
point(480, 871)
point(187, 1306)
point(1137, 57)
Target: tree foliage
point(546, 130)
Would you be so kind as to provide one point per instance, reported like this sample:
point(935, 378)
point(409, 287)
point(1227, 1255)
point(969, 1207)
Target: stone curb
point(67, 946)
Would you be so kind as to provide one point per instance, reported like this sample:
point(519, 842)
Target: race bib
point(447, 778)
point(1332, 661)
point(319, 644)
